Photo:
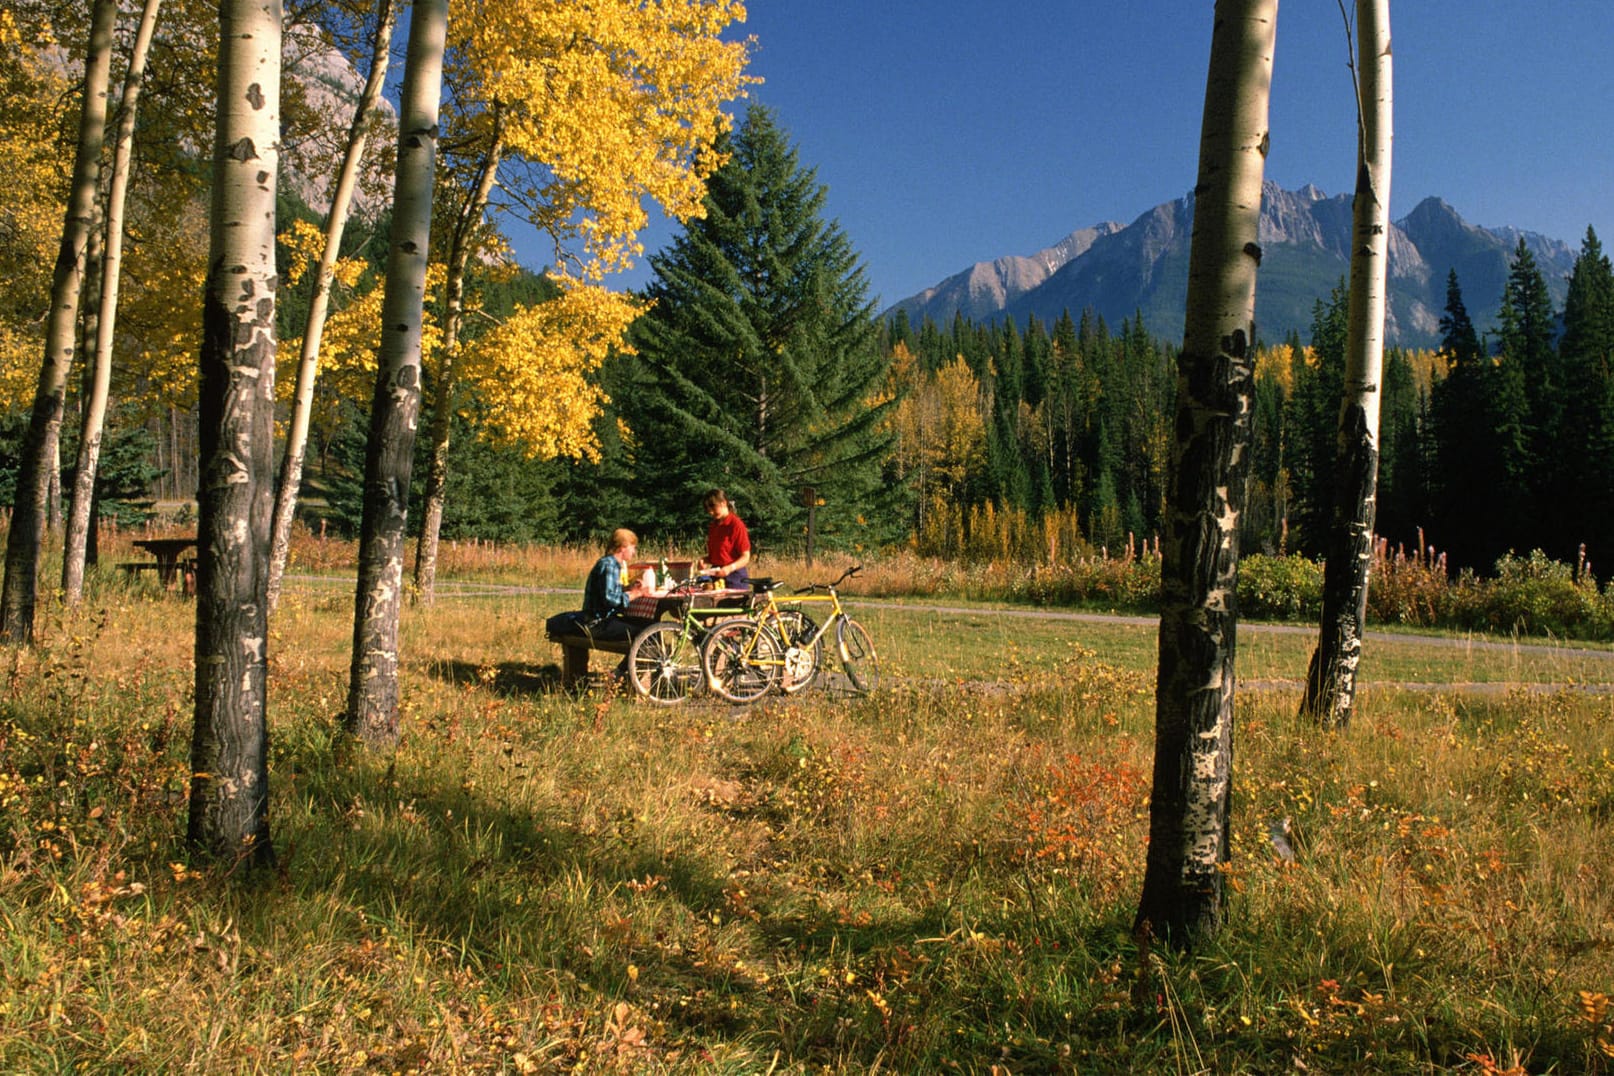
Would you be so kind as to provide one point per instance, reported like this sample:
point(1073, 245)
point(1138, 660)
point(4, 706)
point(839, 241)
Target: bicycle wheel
point(664, 665)
point(800, 652)
point(741, 660)
point(862, 664)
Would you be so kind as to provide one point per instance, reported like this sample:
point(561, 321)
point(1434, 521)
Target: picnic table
point(575, 646)
point(167, 552)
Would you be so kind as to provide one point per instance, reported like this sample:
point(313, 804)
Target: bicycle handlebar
point(812, 587)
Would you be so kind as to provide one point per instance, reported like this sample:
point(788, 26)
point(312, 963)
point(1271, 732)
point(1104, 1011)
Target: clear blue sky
point(956, 131)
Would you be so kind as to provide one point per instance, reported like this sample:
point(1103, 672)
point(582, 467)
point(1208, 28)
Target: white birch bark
point(372, 710)
point(19, 593)
point(1193, 765)
point(446, 387)
point(79, 519)
point(236, 408)
point(291, 465)
point(1331, 679)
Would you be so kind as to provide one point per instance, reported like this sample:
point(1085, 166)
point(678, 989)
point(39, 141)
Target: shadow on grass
point(510, 679)
point(522, 892)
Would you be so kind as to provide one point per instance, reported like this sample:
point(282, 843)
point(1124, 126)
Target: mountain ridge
point(1141, 268)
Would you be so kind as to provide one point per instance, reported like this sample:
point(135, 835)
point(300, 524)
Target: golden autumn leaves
point(596, 109)
point(602, 109)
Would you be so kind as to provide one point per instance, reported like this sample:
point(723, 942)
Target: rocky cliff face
point(985, 289)
point(1142, 269)
point(319, 92)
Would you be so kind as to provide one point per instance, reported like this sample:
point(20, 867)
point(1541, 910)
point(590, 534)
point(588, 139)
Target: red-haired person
point(605, 598)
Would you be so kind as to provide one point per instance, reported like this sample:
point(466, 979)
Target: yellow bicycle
point(780, 646)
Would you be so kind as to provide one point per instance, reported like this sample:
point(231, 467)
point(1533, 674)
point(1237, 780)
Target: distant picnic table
point(167, 552)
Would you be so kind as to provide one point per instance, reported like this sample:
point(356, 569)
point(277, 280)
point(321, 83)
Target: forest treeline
point(1032, 441)
point(761, 365)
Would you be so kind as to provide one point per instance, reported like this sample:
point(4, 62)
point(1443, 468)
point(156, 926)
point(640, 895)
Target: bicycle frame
point(768, 617)
point(655, 667)
point(772, 607)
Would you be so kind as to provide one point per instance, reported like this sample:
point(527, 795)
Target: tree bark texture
point(1331, 679)
point(80, 518)
point(372, 711)
point(461, 245)
point(291, 466)
point(1193, 763)
point(229, 746)
point(19, 593)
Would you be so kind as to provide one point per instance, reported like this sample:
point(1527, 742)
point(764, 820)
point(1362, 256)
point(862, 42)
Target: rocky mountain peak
point(1305, 235)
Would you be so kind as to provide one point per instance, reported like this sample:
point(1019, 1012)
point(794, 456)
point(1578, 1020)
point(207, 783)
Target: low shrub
point(1407, 588)
point(1280, 588)
point(1531, 595)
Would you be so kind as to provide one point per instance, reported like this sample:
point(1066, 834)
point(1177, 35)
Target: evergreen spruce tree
point(1458, 340)
point(1471, 492)
point(1582, 475)
point(1064, 412)
point(1314, 422)
point(1527, 397)
point(1147, 398)
point(1526, 337)
point(1403, 470)
point(1261, 527)
point(758, 363)
point(1037, 347)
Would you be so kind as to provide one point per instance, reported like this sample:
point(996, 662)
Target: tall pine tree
point(1314, 421)
point(1583, 473)
point(758, 364)
point(1527, 396)
point(1475, 499)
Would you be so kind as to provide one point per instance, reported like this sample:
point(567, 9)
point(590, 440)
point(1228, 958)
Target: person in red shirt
point(728, 543)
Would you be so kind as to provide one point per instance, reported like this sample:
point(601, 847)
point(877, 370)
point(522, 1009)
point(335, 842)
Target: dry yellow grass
point(939, 876)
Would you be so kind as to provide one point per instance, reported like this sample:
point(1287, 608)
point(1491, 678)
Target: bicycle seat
point(765, 585)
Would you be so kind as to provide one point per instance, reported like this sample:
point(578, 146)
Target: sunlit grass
point(990, 643)
point(940, 877)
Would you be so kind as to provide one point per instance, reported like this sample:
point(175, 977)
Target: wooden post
point(809, 497)
point(573, 666)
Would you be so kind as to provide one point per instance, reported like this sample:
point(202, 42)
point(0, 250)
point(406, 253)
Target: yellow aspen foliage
point(940, 426)
point(159, 315)
point(304, 245)
point(1428, 368)
point(31, 200)
point(1276, 364)
point(605, 104)
point(352, 333)
point(536, 369)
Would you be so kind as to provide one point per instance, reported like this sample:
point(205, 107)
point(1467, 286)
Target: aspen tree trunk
point(1193, 762)
point(88, 333)
point(53, 495)
point(291, 464)
point(19, 593)
point(461, 245)
point(372, 710)
point(236, 406)
point(1331, 679)
point(80, 519)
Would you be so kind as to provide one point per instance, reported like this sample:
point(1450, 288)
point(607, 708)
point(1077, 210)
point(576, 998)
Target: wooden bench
point(574, 654)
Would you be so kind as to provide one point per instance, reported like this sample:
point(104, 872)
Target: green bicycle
point(664, 662)
point(779, 645)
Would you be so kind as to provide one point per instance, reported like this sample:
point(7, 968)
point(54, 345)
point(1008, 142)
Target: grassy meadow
point(937, 878)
